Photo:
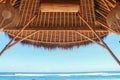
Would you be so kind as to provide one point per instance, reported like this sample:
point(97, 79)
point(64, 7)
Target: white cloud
point(12, 65)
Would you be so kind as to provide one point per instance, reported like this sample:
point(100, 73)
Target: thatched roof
point(60, 29)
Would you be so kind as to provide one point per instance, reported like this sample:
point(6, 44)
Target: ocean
point(60, 76)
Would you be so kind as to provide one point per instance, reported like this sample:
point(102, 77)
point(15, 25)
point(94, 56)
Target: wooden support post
point(7, 46)
point(2, 28)
point(23, 39)
point(105, 45)
point(1, 23)
point(88, 38)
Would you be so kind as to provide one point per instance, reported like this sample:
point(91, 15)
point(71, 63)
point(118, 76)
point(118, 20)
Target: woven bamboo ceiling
point(56, 23)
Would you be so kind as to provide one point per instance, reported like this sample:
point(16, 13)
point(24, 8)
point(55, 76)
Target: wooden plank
point(59, 5)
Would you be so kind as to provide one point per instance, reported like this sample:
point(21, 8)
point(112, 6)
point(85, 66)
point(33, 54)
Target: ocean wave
point(68, 74)
point(92, 74)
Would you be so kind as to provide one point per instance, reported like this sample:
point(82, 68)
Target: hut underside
point(60, 23)
point(57, 27)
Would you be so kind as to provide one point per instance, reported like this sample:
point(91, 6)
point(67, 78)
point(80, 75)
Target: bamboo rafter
point(106, 5)
point(106, 26)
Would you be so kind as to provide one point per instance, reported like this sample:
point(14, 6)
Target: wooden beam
point(1, 23)
point(59, 42)
point(105, 45)
point(87, 37)
point(106, 5)
point(60, 6)
point(22, 39)
point(98, 11)
point(106, 26)
point(7, 46)
point(110, 3)
point(56, 30)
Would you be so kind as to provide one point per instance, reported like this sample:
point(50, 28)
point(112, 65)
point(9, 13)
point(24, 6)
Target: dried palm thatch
point(59, 23)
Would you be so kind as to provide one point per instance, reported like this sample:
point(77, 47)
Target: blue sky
point(26, 58)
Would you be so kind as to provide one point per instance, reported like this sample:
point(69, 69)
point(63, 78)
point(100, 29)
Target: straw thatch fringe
point(52, 46)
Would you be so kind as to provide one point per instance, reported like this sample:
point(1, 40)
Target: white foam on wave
point(91, 74)
point(27, 74)
point(62, 74)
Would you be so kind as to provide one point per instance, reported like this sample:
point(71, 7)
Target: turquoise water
point(61, 76)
